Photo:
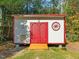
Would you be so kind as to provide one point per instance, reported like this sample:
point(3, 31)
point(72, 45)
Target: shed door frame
point(39, 40)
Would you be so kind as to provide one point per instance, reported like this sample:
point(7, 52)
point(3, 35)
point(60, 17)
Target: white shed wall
point(53, 36)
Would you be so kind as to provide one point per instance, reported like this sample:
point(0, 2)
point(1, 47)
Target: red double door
point(39, 32)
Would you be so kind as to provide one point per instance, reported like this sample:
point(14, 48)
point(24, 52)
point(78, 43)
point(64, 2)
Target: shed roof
point(40, 16)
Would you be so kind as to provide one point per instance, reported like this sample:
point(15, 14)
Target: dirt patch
point(8, 49)
point(73, 46)
point(6, 45)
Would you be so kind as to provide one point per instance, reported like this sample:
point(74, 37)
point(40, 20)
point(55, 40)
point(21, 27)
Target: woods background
point(11, 7)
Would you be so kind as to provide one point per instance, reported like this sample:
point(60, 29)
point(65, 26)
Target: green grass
point(52, 53)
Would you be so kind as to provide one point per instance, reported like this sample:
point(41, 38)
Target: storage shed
point(39, 29)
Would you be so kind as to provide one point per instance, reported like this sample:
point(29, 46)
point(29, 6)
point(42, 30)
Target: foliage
point(30, 6)
point(72, 12)
point(69, 7)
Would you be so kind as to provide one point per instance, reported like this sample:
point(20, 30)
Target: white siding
point(56, 36)
point(53, 36)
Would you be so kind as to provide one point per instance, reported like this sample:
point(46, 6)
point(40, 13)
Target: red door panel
point(39, 32)
point(44, 32)
point(35, 37)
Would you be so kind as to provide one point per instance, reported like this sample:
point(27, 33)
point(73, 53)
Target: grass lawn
point(52, 53)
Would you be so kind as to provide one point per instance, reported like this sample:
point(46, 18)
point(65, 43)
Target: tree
point(72, 12)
